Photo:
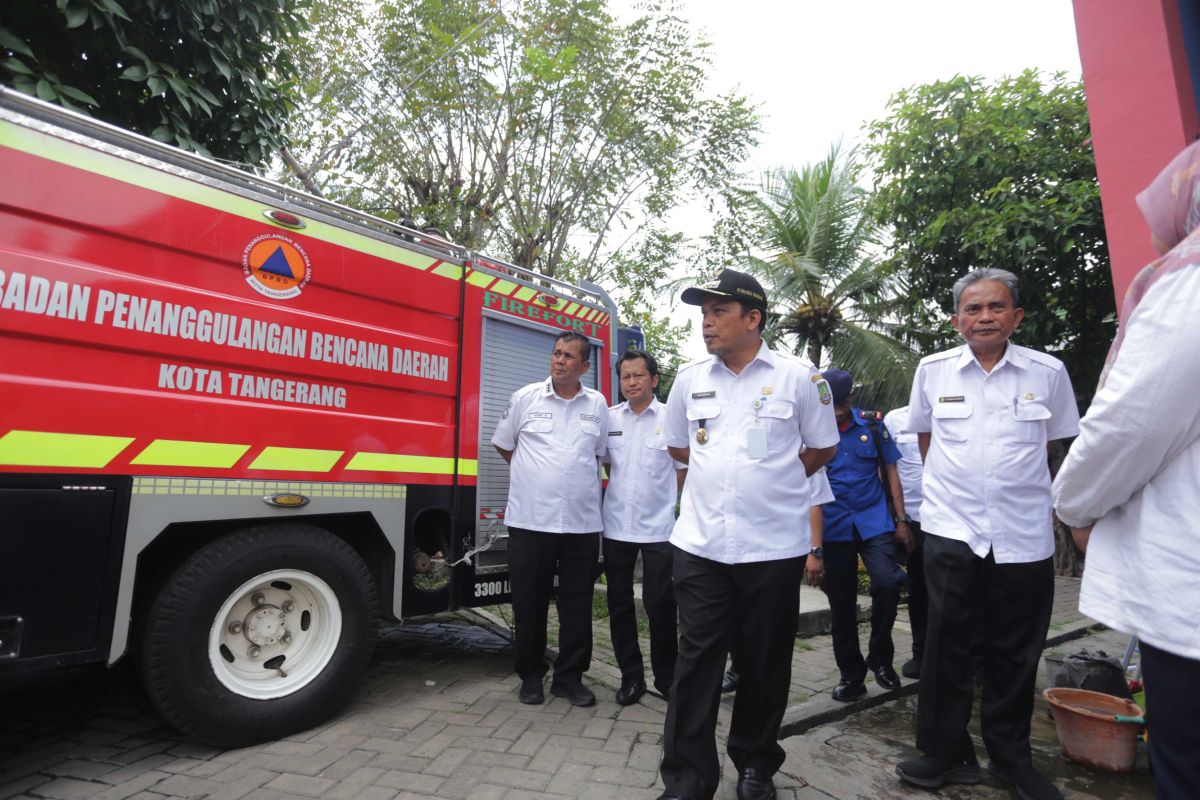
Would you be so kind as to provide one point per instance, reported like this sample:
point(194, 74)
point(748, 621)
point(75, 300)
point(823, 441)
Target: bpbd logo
point(276, 266)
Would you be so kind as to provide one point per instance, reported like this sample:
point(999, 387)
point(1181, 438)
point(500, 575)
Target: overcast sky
point(820, 70)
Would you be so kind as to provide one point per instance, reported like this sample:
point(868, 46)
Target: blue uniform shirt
point(859, 499)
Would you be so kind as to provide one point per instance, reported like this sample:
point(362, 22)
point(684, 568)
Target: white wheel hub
point(275, 634)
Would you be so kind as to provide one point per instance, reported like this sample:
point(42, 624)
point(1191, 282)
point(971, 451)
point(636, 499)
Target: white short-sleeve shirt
point(554, 477)
point(746, 497)
point(909, 467)
point(819, 488)
point(639, 504)
point(987, 480)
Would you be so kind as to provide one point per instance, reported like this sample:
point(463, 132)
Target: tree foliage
point(830, 296)
point(207, 75)
point(545, 131)
point(974, 174)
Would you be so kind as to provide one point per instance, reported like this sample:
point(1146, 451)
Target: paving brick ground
point(438, 717)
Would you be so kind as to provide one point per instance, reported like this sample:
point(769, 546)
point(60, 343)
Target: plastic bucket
point(1088, 730)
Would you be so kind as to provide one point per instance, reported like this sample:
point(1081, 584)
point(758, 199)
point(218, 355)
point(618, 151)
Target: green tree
point(831, 298)
point(976, 174)
point(207, 75)
point(547, 131)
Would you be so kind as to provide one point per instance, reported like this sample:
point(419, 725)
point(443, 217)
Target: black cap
point(840, 382)
point(730, 283)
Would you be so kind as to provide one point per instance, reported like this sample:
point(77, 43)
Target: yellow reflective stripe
point(477, 278)
point(468, 466)
point(257, 488)
point(74, 155)
point(39, 449)
point(593, 315)
point(177, 453)
point(524, 293)
point(297, 459)
point(448, 270)
point(504, 287)
point(395, 462)
point(571, 308)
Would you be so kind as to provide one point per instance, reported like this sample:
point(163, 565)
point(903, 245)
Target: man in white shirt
point(910, 467)
point(983, 414)
point(639, 512)
point(552, 435)
point(740, 419)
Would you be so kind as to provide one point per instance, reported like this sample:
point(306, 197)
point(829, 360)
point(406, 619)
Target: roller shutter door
point(513, 356)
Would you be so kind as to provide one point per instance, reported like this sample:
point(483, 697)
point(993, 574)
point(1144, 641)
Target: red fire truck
point(239, 424)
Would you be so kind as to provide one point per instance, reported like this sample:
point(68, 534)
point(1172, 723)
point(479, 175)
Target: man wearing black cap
point(857, 524)
point(752, 424)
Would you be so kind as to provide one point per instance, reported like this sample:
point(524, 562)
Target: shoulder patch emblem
point(823, 393)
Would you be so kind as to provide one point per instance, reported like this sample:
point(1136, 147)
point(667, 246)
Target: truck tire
point(264, 632)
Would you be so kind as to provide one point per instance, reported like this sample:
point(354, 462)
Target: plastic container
point(1089, 731)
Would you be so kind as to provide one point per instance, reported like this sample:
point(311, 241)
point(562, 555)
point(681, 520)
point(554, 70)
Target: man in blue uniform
point(857, 523)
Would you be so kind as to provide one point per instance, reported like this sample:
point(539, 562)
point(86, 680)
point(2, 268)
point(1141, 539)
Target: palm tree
point(830, 295)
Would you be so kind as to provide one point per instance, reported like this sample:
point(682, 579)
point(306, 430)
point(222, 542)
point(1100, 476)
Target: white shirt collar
point(765, 354)
point(548, 390)
point(653, 407)
point(1012, 355)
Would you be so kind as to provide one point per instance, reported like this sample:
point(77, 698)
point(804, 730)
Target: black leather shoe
point(911, 668)
point(846, 691)
point(1029, 783)
point(576, 693)
point(755, 784)
point(886, 677)
point(531, 691)
point(930, 773)
point(730, 682)
point(630, 692)
point(663, 688)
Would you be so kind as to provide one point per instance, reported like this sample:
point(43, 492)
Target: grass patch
point(599, 605)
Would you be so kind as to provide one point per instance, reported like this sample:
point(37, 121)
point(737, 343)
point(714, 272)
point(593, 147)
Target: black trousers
point(658, 597)
point(918, 594)
point(534, 557)
point(1172, 709)
point(754, 607)
point(1012, 603)
point(841, 587)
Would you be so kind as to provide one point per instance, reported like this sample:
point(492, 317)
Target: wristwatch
point(819, 552)
point(898, 519)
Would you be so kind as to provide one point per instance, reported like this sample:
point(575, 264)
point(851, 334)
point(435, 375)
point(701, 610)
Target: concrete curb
point(823, 709)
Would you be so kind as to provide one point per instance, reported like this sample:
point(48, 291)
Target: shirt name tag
point(616, 433)
point(703, 395)
point(541, 415)
point(958, 398)
point(589, 418)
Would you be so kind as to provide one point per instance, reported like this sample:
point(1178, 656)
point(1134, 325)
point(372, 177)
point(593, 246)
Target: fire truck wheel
point(262, 633)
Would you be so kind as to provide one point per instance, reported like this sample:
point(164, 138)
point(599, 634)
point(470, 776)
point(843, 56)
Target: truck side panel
point(139, 319)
